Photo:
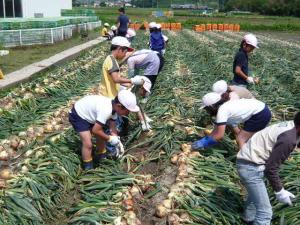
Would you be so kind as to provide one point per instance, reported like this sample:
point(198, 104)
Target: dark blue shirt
point(123, 20)
point(241, 60)
point(157, 41)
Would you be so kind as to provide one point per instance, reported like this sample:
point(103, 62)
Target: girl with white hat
point(254, 114)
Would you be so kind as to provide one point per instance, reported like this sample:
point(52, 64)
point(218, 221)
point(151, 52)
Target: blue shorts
point(258, 121)
point(78, 123)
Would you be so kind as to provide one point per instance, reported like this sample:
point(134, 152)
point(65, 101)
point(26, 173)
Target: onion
point(11, 152)
point(14, 142)
point(5, 142)
point(185, 216)
point(5, 174)
point(49, 128)
point(53, 123)
point(24, 169)
point(22, 143)
point(27, 161)
point(22, 134)
point(161, 211)
point(170, 123)
point(186, 148)
point(128, 203)
point(57, 113)
point(194, 154)
point(182, 160)
point(1, 148)
point(2, 184)
point(28, 95)
point(57, 127)
point(4, 156)
point(207, 131)
point(174, 159)
point(46, 81)
point(174, 219)
point(134, 191)
point(28, 153)
point(167, 203)
point(39, 154)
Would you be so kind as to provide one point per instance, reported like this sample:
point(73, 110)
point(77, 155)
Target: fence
point(12, 38)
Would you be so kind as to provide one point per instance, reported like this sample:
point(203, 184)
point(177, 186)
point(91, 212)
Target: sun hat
point(210, 99)
point(220, 87)
point(106, 25)
point(128, 100)
point(122, 42)
point(152, 25)
point(147, 84)
point(250, 39)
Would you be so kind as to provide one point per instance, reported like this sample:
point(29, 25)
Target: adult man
point(89, 116)
point(122, 22)
point(235, 92)
point(262, 155)
point(111, 79)
point(147, 60)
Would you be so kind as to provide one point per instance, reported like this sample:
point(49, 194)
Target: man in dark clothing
point(123, 23)
point(260, 156)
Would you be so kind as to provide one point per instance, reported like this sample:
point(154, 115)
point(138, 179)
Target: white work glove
point(250, 80)
point(284, 196)
point(114, 140)
point(148, 119)
point(119, 150)
point(145, 126)
point(137, 80)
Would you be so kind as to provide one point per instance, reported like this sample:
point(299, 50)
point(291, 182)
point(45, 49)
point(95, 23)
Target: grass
point(253, 22)
point(20, 57)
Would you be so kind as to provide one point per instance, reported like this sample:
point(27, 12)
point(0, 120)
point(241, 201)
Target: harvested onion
point(5, 174)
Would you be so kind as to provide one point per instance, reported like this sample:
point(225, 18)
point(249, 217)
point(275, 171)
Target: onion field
point(159, 180)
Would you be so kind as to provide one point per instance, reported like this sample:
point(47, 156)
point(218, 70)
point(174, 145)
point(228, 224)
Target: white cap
point(128, 100)
point(250, 39)
point(158, 25)
point(106, 25)
point(152, 25)
point(130, 33)
point(165, 38)
point(113, 27)
point(210, 99)
point(121, 41)
point(147, 84)
point(220, 87)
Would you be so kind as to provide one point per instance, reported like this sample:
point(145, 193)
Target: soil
point(165, 176)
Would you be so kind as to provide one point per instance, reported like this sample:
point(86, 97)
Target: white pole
point(14, 13)
point(62, 33)
point(4, 11)
point(21, 37)
point(52, 39)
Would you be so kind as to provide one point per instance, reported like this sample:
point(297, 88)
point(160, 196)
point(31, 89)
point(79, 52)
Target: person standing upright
point(240, 64)
point(123, 22)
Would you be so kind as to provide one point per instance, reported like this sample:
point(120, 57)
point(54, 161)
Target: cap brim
point(202, 106)
point(134, 109)
point(130, 49)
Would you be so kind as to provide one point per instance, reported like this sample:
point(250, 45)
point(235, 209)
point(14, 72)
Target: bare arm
point(218, 132)
point(118, 79)
point(98, 131)
point(239, 72)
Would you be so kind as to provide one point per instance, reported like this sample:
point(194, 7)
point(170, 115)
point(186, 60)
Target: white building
point(33, 8)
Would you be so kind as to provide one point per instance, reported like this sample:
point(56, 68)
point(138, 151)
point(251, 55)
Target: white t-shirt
point(93, 108)
point(238, 111)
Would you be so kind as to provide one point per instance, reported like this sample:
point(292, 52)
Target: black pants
point(152, 78)
point(122, 33)
point(161, 62)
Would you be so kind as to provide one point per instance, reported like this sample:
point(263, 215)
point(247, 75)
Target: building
point(33, 8)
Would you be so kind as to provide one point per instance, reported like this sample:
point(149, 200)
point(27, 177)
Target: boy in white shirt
point(89, 116)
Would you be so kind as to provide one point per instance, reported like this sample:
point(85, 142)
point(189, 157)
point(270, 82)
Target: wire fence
point(13, 38)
